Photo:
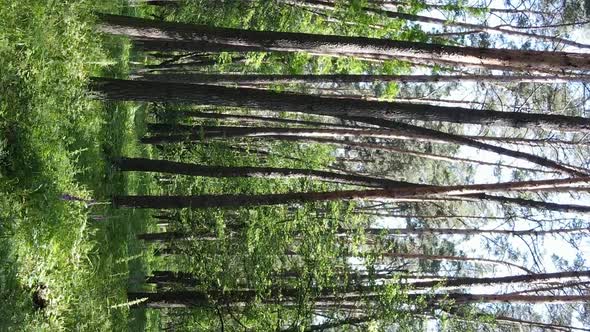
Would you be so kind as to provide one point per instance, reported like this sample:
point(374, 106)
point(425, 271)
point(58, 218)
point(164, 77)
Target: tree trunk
point(112, 89)
point(454, 258)
point(148, 165)
point(163, 237)
point(169, 299)
point(353, 110)
point(350, 79)
point(473, 231)
point(340, 45)
point(173, 277)
point(389, 148)
point(263, 119)
point(476, 27)
point(332, 324)
point(454, 8)
point(172, 167)
point(163, 45)
point(416, 191)
point(465, 281)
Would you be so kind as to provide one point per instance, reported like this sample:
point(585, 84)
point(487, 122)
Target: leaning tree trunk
point(371, 146)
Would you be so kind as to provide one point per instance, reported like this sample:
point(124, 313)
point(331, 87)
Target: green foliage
point(55, 142)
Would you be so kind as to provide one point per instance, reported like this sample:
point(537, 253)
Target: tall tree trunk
point(165, 166)
point(196, 133)
point(443, 22)
point(163, 45)
point(340, 45)
point(454, 8)
point(529, 141)
point(473, 231)
point(255, 118)
point(462, 140)
point(464, 281)
point(113, 89)
point(390, 148)
point(420, 192)
point(454, 258)
point(353, 110)
point(199, 78)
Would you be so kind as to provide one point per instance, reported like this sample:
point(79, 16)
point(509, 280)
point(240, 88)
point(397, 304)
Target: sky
point(485, 174)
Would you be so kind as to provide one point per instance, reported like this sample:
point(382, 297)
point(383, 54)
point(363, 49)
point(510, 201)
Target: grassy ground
point(55, 147)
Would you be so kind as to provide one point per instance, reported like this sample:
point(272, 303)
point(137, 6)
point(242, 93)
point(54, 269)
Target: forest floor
point(65, 262)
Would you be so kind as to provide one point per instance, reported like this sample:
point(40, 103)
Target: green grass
point(56, 140)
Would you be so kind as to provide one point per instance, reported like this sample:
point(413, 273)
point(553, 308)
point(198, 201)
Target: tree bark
point(199, 78)
point(164, 166)
point(169, 299)
point(172, 167)
point(113, 89)
point(371, 112)
point(443, 22)
point(454, 258)
point(419, 192)
point(464, 231)
point(341, 45)
point(464, 281)
point(390, 148)
point(263, 119)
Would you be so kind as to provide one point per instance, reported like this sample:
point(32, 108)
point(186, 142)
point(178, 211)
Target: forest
point(294, 165)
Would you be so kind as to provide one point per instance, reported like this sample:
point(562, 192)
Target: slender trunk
point(355, 110)
point(461, 282)
point(443, 22)
point(455, 8)
point(165, 166)
point(570, 208)
point(462, 140)
point(180, 133)
point(558, 287)
point(454, 258)
point(204, 115)
point(414, 153)
point(346, 78)
point(341, 45)
point(419, 192)
point(498, 298)
point(528, 141)
point(474, 231)
point(548, 326)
